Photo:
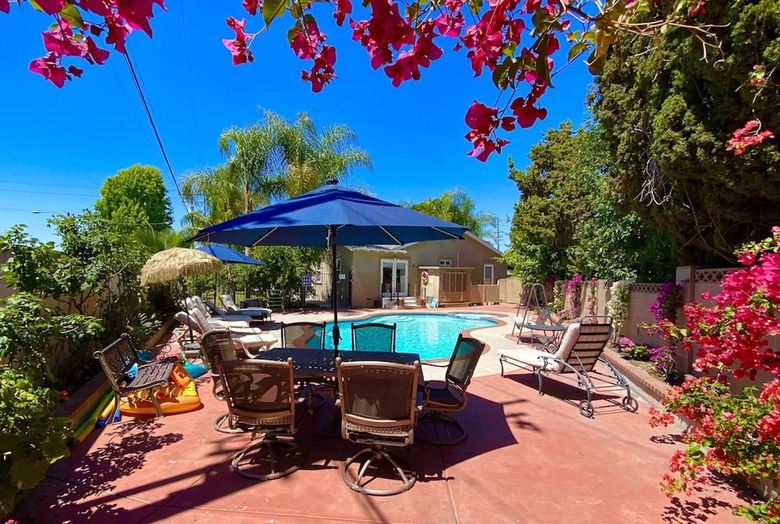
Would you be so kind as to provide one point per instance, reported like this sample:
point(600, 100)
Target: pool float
point(83, 431)
point(172, 398)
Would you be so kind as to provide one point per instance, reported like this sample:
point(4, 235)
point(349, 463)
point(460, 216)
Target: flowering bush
point(633, 351)
point(668, 301)
point(662, 357)
point(617, 306)
point(732, 433)
point(573, 288)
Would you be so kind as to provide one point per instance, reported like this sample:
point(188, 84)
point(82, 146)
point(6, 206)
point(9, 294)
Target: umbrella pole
point(189, 325)
point(334, 292)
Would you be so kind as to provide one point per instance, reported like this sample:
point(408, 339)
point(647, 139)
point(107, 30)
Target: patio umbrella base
point(268, 459)
point(440, 429)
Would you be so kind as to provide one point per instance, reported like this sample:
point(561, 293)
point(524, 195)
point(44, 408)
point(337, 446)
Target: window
point(445, 262)
point(338, 265)
point(487, 274)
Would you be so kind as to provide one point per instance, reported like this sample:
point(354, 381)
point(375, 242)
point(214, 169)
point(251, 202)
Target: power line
point(154, 126)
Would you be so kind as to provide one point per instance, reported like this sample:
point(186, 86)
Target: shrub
point(732, 433)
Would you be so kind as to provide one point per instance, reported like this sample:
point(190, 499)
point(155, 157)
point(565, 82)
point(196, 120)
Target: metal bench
point(118, 358)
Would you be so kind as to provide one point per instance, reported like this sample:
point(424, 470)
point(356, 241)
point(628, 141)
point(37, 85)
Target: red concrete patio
point(528, 458)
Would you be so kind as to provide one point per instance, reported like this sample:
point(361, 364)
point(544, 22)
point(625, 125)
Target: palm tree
point(311, 157)
point(271, 159)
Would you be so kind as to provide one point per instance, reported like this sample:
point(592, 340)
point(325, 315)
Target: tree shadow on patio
point(90, 473)
point(684, 511)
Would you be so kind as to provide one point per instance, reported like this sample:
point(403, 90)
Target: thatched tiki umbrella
point(177, 263)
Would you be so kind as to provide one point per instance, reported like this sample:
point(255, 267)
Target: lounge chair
point(260, 313)
point(378, 408)
point(575, 360)
point(373, 337)
point(262, 399)
point(220, 321)
point(441, 398)
point(546, 331)
point(249, 342)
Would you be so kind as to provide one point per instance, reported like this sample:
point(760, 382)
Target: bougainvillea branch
point(733, 431)
point(516, 42)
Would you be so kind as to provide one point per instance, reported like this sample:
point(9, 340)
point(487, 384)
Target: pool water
point(432, 336)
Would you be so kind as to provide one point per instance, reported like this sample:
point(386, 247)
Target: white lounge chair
point(575, 360)
point(261, 313)
point(213, 313)
point(251, 342)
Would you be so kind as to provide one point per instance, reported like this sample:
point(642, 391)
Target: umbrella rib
point(447, 233)
point(391, 235)
point(257, 242)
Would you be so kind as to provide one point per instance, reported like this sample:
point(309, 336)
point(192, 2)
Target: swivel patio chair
point(449, 396)
point(373, 337)
point(378, 408)
point(216, 346)
point(575, 360)
point(308, 335)
point(261, 399)
point(303, 335)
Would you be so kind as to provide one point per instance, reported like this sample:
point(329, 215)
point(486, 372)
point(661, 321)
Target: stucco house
point(453, 272)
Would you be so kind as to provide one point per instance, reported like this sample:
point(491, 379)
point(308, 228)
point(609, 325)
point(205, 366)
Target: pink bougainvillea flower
point(99, 7)
point(117, 32)
point(138, 12)
point(95, 55)
point(60, 40)
point(5, 7)
point(50, 69)
point(238, 46)
point(322, 71)
point(75, 71)
point(251, 6)
point(343, 8)
point(526, 112)
point(532, 5)
point(51, 7)
point(481, 118)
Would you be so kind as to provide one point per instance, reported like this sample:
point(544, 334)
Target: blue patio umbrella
point(228, 255)
point(329, 216)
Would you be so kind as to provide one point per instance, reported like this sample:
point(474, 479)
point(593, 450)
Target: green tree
point(569, 219)
point(668, 116)
point(455, 206)
point(136, 196)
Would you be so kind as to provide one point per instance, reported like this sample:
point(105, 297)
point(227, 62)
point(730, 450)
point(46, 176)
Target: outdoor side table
point(550, 340)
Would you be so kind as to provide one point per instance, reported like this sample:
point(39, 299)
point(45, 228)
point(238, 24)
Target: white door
point(394, 277)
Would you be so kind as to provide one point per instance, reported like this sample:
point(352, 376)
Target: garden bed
point(640, 373)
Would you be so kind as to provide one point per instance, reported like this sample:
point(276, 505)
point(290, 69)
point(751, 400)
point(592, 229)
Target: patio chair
point(308, 335)
point(118, 358)
point(236, 321)
point(575, 360)
point(216, 346)
point(303, 335)
point(261, 399)
point(378, 408)
point(261, 313)
point(449, 396)
point(215, 313)
point(373, 337)
point(546, 331)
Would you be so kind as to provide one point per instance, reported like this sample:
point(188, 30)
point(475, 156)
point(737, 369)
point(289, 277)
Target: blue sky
point(59, 145)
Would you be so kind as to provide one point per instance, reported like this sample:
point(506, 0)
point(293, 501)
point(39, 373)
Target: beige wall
point(366, 266)
point(509, 290)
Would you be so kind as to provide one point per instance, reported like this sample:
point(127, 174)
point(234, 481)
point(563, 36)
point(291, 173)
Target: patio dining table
point(319, 363)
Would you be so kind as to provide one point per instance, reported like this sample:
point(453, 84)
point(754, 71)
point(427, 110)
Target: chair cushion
point(252, 341)
point(531, 357)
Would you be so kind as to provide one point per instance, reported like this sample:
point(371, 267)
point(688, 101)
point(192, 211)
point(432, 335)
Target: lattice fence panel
point(645, 288)
point(712, 276)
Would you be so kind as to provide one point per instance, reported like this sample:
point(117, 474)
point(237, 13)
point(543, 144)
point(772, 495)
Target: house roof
point(381, 249)
point(470, 235)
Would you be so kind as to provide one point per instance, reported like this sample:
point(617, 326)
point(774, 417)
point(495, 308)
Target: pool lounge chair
point(575, 360)
point(259, 313)
point(249, 342)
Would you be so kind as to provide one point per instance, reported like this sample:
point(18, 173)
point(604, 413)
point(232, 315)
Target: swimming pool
point(432, 336)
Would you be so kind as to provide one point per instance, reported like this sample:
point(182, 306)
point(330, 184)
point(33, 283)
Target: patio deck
point(528, 458)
